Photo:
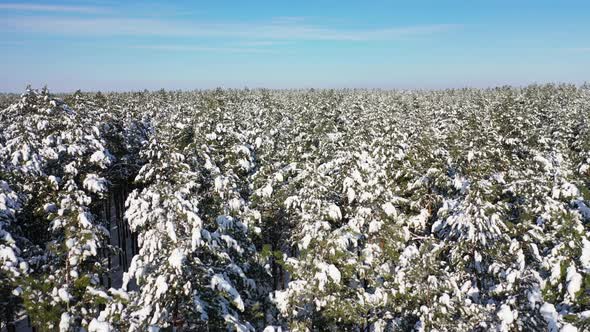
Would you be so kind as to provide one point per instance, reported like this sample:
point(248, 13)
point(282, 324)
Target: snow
point(291, 202)
point(585, 256)
point(375, 226)
point(408, 254)
point(506, 316)
point(583, 209)
point(49, 208)
point(196, 237)
point(7, 254)
point(568, 328)
point(569, 190)
point(42, 125)
point(65, 322)
point(546, 164)
point(171, 231)
point(17, 291)
point(102, 158)
point(333, 273)
point(461, 184)
point(334, 212)
point(95, 184)
point(350, 195)
point(245, 165)
point(177, 259)
point(84, 220)
point(419, 221)
point(389, 209)
point(326, 271)
point(235, 204)
point(369, 197)
point(71, 168)
point(534, 296)
point(281, 298)
point(120, 293)
point(161, 285)
point(445, 300)
point(200, 307)
point(266, 192)
point(555, 273)
point(54, 181)
point(574, 281)
point(99, 326)
point(549, 313)
point(96, 292)
point(219, 282)
point(232, 243)
point(64, 296)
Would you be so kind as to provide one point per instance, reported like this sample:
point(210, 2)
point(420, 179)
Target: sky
point(136, 45)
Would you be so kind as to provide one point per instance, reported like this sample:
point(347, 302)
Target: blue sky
point(134, 45)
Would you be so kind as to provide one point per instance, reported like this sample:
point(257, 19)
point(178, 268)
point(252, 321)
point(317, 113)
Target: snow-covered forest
point(296, 210)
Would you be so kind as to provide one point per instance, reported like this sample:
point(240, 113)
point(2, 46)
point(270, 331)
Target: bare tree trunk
point(107, 211)
point(119, 231)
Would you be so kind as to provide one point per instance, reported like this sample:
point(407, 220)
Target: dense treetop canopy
point(302, 210)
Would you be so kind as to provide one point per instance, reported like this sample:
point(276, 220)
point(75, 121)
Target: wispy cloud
point(258, 43)
point(197, 48)
point(31, 7)
point(12, 43)
point(273, 30)
point(288, 19)
point(579, 49)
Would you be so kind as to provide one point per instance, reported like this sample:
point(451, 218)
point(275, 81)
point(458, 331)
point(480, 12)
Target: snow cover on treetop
point(258, 210)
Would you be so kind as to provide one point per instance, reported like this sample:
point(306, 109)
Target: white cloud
point(275, 30)
point(50, 8)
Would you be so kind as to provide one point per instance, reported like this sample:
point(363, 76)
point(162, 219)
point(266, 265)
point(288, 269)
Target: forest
point(296, 210)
